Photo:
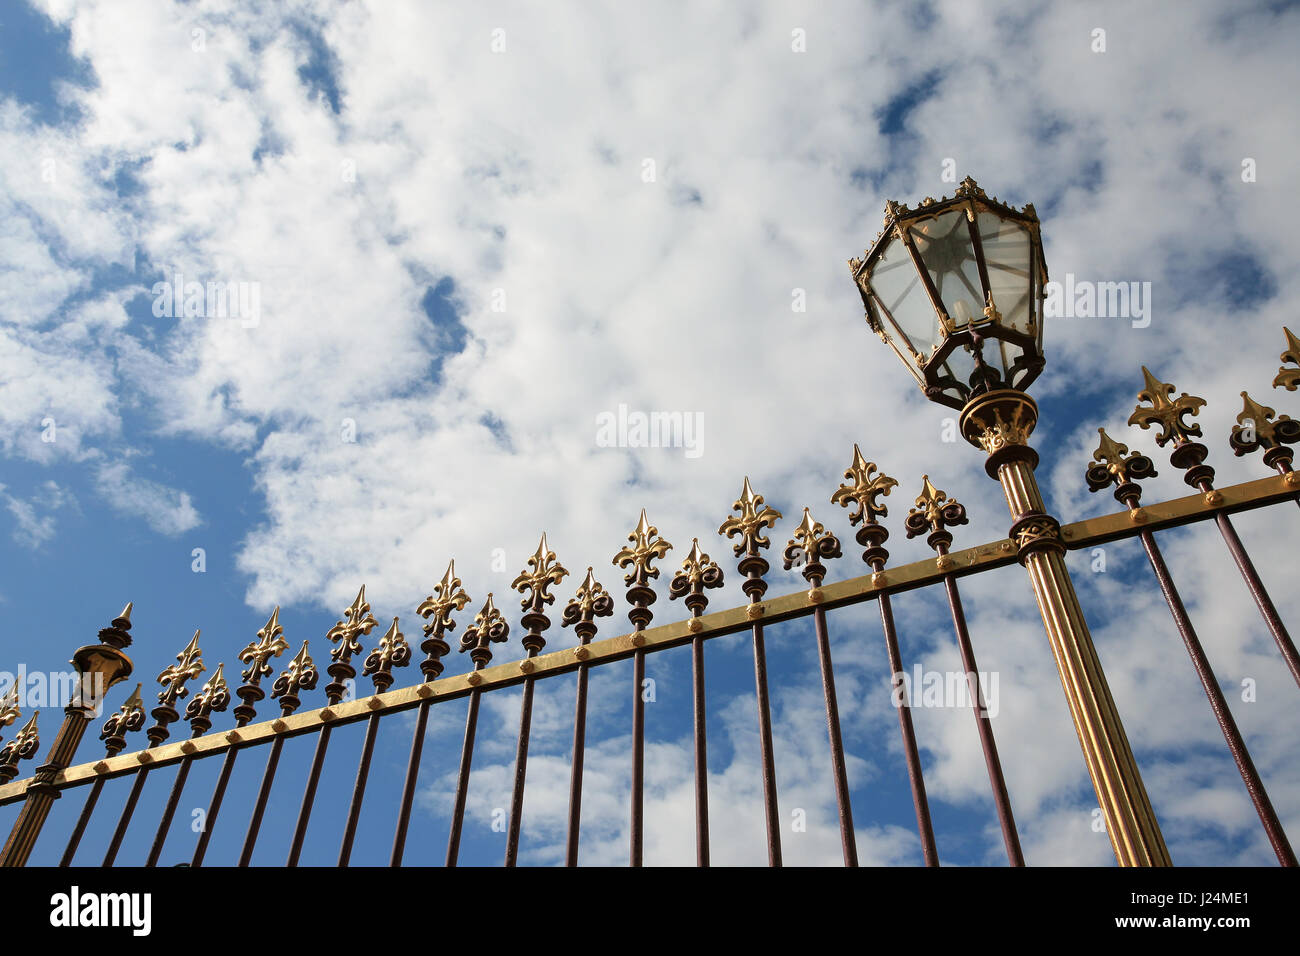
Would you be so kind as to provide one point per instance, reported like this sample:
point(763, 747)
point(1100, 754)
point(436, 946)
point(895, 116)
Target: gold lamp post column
point(955, 287)
point(100, 666)
point(1000, 423)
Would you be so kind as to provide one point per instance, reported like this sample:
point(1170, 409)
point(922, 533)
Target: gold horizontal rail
point(1081, 534)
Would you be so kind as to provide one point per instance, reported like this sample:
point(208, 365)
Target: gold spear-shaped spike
point(751, 521)
point(173, 679)
point(646, 547)
point(135, 701)
point(1166, 413)
point(126, 613)
point(1289, 378)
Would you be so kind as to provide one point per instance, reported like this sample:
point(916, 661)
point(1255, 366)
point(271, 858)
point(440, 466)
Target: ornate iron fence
point(1134, 834)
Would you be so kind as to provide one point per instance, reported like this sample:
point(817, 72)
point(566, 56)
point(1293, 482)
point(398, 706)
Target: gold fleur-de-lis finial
point(189, 665)
point(535, 584)
point(698, 565)
point(270, 643)
point(590, 601)
point(214, 696)
point(298, 675)
point(698, 572)
point(1289, 378)
point(866, 490)
point(810, 543)
point(357, 621)
point(392, 651)
point(450, 597)
point(129, 718)
point(749, 524)
point(646, 547)
point(23, 747)
point(438, 608)
point(489, 627)
point(930, 501)
point(1256, 428)
point(1112, 463)
point(1165, 411)
point(9, 711)
point(934, 511)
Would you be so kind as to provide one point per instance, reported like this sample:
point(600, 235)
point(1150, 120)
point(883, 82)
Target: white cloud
point(166, 510)
point(522, 171)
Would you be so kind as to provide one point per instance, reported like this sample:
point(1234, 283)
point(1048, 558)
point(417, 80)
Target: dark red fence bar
point(1112, 464)
point(863, 496)
point(748, 526)
point(489, 627)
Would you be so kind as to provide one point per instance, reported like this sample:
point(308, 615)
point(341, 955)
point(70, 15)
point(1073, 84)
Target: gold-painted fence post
point(99, 666)
point(1000, 423)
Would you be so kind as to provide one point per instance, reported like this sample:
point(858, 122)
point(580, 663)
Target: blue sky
point(465, 233)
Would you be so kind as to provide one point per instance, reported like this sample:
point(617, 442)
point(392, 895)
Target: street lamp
point(956, 288)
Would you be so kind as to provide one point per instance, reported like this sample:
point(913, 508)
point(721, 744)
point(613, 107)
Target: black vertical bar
point(638, 756)
point(264, 791)
point(521, 773)
point(1000, 796)
point(79, 830)
point(575, 779)
point(915, 776)
point(125, 820)
point(309, 795)
point(462, 782)
point(214, 806)
point(168, 812)
point(701, 754)
point(408, 786)
point(847, 838)
point(770, 808)
point(359, 790)
point(1237, 746)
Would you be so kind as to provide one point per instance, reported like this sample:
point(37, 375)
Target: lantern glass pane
point(945, 247)
point(1007, 251)
point(900, 295)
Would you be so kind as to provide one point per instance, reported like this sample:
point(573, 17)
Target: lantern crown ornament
point(956, 288)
